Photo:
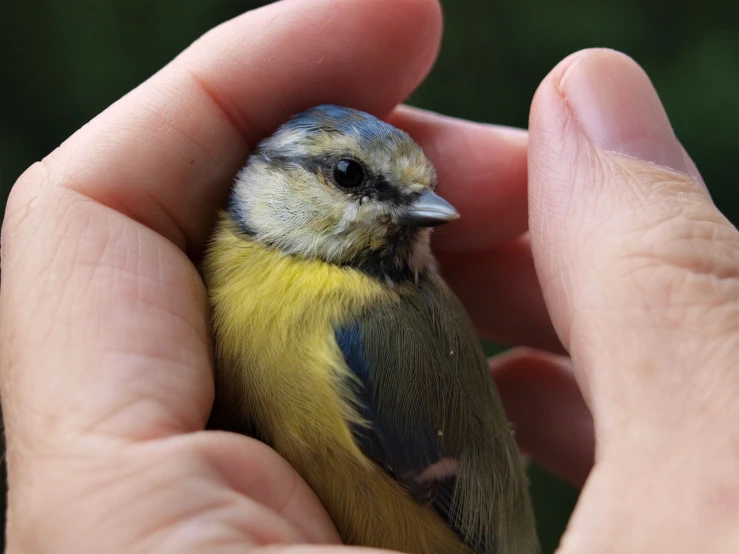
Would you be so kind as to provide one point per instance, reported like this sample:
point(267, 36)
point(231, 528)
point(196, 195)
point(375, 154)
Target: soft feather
point(436, 421)
point(280, 370)
point(338, 344)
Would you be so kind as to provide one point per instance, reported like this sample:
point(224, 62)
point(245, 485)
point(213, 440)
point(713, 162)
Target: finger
point(552, 423)
point(500, 290)
point(482, 172)
point(638, 267)
point(259, 473)
point(104, 324)
point(640, 274)
point(170, 495)
point(165, 154)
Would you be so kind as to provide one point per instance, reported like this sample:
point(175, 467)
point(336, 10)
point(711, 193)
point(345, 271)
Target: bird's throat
point(404, 256)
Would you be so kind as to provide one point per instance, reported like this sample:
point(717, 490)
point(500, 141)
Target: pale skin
point(592, 236)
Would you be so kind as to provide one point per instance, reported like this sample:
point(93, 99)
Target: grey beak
point(429, 210)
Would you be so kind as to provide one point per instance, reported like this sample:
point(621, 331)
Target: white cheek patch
point(290, 208)
point(243, 192)
point(348, 218)
point(258, 206)
point(272, 206)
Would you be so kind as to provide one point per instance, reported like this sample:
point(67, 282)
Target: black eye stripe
point(384, 191)
point(376, 187)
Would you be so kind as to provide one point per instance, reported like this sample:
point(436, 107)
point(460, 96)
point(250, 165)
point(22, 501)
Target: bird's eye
point(348, 174)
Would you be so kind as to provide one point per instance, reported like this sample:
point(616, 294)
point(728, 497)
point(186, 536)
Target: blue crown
point(337, 119)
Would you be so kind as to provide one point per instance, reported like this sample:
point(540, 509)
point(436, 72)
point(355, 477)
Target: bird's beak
point(428, 210)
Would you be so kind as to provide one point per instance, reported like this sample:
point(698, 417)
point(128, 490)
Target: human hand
point(640, 278)
point(106, 370)
point(106, 363)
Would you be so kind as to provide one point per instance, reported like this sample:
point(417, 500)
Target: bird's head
point(340, 185)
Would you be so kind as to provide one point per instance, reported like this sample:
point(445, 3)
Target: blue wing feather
point(369, 439)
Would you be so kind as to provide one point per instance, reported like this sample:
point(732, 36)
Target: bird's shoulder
point(421, 372)
point(420, 327)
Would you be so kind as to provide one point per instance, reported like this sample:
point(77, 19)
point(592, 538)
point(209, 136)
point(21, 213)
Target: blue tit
point(338, 344)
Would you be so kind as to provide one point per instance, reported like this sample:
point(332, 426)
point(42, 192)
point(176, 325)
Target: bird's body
point(343, 349)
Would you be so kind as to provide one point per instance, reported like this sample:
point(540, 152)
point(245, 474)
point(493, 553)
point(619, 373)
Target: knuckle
point(32, 199)
point(20, 199)
point(26, 190)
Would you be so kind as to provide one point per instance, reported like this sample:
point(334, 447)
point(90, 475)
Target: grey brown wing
point(436, 423)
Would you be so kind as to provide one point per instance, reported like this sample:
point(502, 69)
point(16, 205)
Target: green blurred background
point(63, 62)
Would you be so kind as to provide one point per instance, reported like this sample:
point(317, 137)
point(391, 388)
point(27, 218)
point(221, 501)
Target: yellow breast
point(281, 371)
point(274, 317)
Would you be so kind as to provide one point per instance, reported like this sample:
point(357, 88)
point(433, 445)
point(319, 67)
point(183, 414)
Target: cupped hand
point(106, 363)
point(106, 367)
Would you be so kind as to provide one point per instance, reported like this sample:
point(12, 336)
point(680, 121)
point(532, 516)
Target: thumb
point(640, 275)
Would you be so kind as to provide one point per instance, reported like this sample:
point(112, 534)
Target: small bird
point(338, 344)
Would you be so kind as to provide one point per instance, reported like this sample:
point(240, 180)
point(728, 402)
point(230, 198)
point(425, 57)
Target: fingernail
point(618, 109)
